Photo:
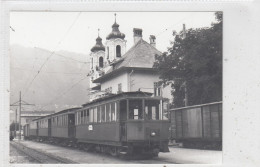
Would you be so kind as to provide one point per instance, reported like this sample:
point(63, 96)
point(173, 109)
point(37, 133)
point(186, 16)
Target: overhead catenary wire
point(26, 90)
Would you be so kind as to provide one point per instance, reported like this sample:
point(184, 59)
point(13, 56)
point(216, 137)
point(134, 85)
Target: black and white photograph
point(116, 87)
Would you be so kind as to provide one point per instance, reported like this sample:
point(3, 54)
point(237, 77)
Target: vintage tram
point(127, 123)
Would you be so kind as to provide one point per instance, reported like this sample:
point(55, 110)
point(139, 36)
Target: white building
point(115, 70)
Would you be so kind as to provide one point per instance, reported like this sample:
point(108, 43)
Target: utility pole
point(20, 111)
point(15, 122)
point(20, 103)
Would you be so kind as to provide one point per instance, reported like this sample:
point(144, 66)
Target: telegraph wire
point(52, 53)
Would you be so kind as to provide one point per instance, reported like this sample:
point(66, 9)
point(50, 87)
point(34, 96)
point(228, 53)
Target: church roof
point(115, 32)
point(99, 46)
point(140, 57)
point(142, 54)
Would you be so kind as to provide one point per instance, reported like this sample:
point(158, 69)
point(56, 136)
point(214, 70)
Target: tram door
point(71, 123)
point(49, 127)
point(123, 118)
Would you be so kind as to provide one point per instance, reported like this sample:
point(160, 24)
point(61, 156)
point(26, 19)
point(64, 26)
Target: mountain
point(51, 81)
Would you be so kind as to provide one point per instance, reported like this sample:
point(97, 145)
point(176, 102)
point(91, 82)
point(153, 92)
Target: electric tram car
point(127, 123)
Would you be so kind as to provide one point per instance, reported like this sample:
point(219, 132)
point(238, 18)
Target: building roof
point(115, 32)
point(99, 46)
point(140, 56)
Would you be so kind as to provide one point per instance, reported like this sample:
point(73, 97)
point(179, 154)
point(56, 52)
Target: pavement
point(18, 157)
point(176, 155)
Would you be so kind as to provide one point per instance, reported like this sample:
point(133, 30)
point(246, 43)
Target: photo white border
point(241, 69)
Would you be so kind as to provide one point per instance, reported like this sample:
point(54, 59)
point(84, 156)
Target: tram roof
point(123, 94)
point(57, 113)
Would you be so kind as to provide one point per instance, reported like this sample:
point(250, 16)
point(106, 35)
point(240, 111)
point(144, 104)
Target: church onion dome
point(99, 46)
point(115, 32)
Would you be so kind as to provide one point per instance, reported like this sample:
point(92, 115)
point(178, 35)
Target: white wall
point(135, 80)
point(145, 81)
point(112, 43)
point(122, 78)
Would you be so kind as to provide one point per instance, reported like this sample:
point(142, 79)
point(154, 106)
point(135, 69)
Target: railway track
point(40, 157)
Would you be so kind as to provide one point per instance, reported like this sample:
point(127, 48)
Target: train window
point(165, 111)
point(95, 114)
point(76, 118)
point(84, 117)
point(152, 109)
point(135, 109)
point(91, 115)
point(103, 113)
point(77, 114)
point(113, 111)
point(98, 114)
point(108, 113)
point(123, 110)
point(87, 116)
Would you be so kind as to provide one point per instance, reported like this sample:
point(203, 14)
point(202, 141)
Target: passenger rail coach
point(127, 123)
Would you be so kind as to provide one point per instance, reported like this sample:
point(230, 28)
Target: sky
point(77, 31)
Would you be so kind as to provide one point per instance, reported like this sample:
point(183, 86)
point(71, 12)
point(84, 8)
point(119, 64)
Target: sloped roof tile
point(142, 54)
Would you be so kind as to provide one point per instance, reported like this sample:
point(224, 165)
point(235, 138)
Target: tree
point(194, 63)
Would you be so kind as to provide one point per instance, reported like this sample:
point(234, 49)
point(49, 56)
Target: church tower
point(115, 43)
point(97, 58)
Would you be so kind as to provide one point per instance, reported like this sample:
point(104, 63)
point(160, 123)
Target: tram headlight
point(153, 133)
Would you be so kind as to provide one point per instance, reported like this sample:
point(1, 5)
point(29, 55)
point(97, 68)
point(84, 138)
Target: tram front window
point(135, 109)
point(152, 109)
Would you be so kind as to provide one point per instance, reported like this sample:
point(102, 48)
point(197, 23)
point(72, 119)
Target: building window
point(118, 51)
point(120, 88)
point(101, 62)
point(157, 89)
point(108, 90)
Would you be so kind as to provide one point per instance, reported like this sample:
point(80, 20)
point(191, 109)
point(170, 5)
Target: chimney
point(153, 40)
point(137, 34)
point(184, 31)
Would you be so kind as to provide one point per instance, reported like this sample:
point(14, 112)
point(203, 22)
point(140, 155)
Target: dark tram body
point(130, 123)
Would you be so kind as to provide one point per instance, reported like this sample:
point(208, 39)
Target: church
point(115, 69)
